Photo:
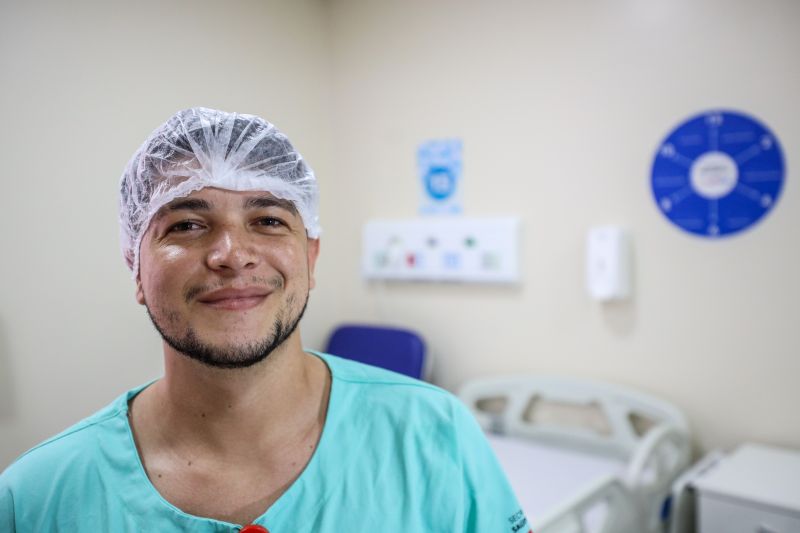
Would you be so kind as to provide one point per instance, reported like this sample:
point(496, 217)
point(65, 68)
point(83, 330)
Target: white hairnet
point(201, 147)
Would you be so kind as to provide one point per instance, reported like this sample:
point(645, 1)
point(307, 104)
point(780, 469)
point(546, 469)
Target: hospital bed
point(583, 457)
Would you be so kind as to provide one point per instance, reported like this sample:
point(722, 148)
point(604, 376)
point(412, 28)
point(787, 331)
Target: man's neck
point(237, 411)
point(226, 444)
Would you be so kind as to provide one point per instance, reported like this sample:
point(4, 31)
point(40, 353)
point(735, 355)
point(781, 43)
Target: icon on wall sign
point(439, 165)
point(717, 173)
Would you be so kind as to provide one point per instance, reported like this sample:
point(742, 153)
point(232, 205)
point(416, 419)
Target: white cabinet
point(756, 489)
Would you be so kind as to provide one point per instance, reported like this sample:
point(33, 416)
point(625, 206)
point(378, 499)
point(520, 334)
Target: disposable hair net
point(201, 147)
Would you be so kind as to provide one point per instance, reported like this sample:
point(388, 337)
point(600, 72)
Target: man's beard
point(234, 356)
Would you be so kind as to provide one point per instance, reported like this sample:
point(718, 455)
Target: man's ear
point(313, 253)
point(139, 290)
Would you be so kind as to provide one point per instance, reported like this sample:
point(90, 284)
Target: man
point(246, 431)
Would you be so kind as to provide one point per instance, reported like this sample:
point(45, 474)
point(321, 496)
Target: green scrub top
point(395, 455)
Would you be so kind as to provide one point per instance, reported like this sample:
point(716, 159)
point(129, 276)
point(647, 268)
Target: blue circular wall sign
point(717, 173)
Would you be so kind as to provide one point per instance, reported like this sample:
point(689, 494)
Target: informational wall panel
point(470, 250)
point(717, 173)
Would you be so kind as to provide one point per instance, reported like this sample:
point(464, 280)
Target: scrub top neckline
point(149, 491)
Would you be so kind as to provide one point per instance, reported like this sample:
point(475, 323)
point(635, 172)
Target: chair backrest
point(399, 350)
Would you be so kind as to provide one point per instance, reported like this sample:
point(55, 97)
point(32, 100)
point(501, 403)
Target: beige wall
point(82, 86)
point(560, 104)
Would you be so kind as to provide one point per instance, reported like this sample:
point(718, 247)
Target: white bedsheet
point(544, 476)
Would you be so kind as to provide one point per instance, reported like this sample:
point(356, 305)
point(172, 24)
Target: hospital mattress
point(543, 476)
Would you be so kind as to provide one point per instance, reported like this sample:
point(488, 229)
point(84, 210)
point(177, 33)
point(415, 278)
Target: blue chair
point(395, 349)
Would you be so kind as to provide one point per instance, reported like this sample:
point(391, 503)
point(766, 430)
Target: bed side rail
point(659, 459)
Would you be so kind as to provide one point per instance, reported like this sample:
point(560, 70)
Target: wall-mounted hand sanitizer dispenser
point(608, 258)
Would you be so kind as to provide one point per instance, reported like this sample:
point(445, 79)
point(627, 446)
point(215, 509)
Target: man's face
point(225, 275)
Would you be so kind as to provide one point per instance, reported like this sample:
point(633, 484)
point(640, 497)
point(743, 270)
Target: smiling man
point(246, 431)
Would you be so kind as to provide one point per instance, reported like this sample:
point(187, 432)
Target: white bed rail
point(617, 408)
point(659, 459)
point(655, 453)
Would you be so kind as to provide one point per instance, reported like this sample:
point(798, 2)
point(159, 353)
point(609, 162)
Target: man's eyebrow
point(184, 204)
point(261, 202)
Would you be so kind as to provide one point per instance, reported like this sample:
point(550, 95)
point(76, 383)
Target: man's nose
point(232, 250)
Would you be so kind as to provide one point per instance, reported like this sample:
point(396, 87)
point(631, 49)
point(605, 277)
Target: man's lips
point(235, 299)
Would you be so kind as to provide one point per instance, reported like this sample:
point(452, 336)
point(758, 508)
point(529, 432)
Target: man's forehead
point(204, 200)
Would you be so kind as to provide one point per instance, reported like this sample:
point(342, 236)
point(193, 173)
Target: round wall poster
point(718, 173)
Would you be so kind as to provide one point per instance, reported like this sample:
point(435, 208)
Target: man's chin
point(226, 364)
point(248, 350)
point(224, 356)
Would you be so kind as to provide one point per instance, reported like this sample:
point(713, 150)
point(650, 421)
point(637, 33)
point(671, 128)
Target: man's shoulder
point(389, 390)
point(371, 376)
point(69, 448)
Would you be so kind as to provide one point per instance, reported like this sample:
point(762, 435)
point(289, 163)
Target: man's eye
point(270, 222)
point(183, 226)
